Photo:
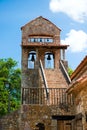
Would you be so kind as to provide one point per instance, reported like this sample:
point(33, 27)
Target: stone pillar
point(37, 60)
point(57, 57)
point(54, 125)
point(24, 59)
point(63, 54)
point(84, 121)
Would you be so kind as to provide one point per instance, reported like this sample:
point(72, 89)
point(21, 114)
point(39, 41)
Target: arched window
point(49, 60)
point(31, 59)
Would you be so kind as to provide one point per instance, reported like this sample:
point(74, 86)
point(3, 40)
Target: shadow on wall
point(40, 126)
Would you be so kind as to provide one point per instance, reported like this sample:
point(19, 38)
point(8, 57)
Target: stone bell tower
point(44, 74)
point(42, 50)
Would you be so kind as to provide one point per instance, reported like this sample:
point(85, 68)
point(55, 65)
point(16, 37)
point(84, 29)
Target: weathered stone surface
point(29, 115)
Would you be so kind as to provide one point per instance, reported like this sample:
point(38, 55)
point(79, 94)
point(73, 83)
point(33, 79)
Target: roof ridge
point(79, 67)
point(38, 18)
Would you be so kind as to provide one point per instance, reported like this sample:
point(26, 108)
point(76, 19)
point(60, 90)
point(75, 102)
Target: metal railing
point(56, 96)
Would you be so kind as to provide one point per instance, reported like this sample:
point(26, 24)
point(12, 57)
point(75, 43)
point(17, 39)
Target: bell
point(48, 58)
point(32, 58)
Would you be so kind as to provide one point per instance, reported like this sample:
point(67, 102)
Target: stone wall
point(10, 121)
point(30, 115)
point(40, 27)
point(55, 78)
point(81, 106)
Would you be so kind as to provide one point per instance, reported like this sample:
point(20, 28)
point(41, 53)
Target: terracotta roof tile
point(79, 67)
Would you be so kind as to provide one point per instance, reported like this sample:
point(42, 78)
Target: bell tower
point(43, 57)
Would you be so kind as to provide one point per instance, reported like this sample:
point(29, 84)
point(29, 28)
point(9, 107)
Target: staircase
point(55, 79)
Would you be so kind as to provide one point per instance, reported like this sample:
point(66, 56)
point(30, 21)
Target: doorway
point(64, 125)
point(64, 121)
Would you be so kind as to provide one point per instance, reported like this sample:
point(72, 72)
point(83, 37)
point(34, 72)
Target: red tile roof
point(78, 84)
point(79, 68)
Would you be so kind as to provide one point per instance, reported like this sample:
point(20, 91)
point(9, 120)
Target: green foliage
point(70, 71)
point(9, 73)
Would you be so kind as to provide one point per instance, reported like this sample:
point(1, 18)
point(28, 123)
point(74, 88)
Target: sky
point(69, 15)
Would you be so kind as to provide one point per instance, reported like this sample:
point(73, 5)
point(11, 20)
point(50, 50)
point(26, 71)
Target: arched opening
point(49, 60)
point(31, 59)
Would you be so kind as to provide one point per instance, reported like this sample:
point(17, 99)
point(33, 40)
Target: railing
point(44, 78)
point(65, 71)
point(56, 96)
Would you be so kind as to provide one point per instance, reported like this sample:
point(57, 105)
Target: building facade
point(78, 88)
point(44, 76)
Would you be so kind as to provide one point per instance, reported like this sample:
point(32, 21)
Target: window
point(46, 40)
point(49, 60)
point(31, 59)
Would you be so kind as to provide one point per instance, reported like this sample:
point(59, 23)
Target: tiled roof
point(78, 84)
point(78, 69)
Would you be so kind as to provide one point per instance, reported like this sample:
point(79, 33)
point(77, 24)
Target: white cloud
point(75, 9)
point(77, 40)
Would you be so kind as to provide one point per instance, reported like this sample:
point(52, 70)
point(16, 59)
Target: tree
point(9, 97)
point(70, 71)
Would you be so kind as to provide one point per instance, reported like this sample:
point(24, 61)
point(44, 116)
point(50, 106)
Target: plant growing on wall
point(70, 71)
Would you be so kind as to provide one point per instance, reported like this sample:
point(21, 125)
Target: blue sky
point(69, 16)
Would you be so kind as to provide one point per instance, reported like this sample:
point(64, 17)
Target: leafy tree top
point(11, 74)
